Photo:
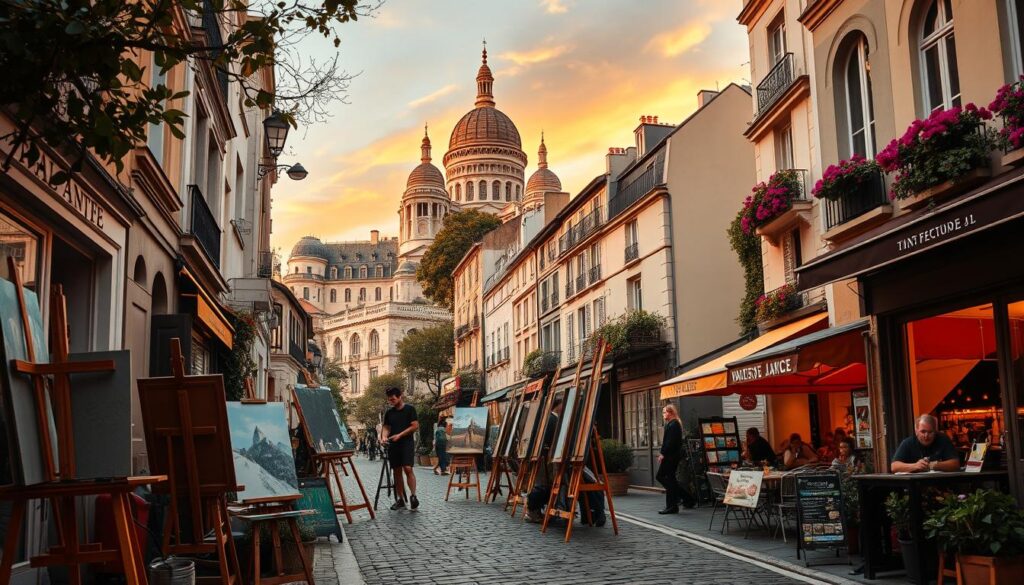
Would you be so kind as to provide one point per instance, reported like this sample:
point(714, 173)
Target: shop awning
point(711, 379)
point(829, 360)
point(498, 395)
point(209, 312)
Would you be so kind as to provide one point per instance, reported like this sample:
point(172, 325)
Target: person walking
point(668, 463)
point(441, 445)
point(400, 424)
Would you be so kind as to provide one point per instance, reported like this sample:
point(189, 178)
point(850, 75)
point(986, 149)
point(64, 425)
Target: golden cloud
point(535, 56)
point(678, 41)
point(433, 96)
point(554, 6)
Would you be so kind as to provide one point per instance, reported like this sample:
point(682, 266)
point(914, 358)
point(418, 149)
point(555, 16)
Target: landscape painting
point(262, 451)
point(469, 430)
point(326, 432)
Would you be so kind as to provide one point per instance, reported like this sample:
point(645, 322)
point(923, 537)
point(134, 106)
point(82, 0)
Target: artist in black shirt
point(668, 463)
point(397, 432)
point(928, 450)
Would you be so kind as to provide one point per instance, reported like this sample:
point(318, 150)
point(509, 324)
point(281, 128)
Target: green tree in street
point(428, 355)
point(461, 230)
point(74, 70)
point(336, 379)
point(367, 408)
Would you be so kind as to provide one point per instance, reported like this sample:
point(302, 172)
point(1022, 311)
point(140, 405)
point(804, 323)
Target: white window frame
point(784, 148)
point(1013, 12)
point(860, 53)
point(777, 46)
point(938, 40)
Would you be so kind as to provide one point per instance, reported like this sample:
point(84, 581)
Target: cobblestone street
point(462, 541)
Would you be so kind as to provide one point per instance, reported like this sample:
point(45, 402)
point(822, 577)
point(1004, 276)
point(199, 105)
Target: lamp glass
point(276, 133)
point(297, 172)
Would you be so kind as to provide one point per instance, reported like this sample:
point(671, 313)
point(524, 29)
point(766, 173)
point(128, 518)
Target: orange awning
point(711, 378)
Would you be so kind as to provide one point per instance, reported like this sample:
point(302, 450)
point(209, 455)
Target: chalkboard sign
point(819, 504)
point(315, 496)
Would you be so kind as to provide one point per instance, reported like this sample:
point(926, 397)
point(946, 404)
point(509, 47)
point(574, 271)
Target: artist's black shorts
point(401, 454)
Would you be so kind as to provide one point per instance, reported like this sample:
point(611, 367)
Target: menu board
point(819, 504)
point(744, 488)
point(315, 496)
point(721, 442)
point(862, 418)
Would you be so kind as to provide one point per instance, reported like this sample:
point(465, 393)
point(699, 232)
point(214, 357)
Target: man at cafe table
point(927, 450)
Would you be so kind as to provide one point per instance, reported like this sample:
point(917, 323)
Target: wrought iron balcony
point(776, 82)
point(541, 363)
point(632, 192)
point(581, 282)
point(265, 265)
point(583, 228)
point(869, 195)
point(296, 351)
point(595, 274)
point(203, 226)
point(632, 252)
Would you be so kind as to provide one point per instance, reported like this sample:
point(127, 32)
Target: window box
point(947, 189)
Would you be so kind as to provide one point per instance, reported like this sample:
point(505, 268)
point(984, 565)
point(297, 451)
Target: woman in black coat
point(668, 462)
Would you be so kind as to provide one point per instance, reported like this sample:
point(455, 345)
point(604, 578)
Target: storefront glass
point(1016, 314)
point(20, 243)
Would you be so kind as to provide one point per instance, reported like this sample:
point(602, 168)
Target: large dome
point(485, 125)
point(310, 246)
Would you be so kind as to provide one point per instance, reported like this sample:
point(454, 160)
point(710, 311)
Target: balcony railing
point(583, 228)
point(265, 265)
point(595, 274)
point(505, 354)
point(568, 289)
point(461, 331)
point(297, 352)
point(476, 322)
point(353, 357)
point(775, 83)
point(203, 226)
point(632, 252)
point(629, 194)
point(581, 282)
point(867, 196)
point(543, 363)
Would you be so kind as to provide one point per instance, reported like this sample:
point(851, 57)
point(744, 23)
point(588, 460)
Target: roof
point(543, 179)
point(309, 246)
point(485, 126)
point(425, 174)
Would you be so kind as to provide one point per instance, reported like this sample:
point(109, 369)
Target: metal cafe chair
point(786, 505)
point(717, 482)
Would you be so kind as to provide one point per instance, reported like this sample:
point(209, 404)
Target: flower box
point(771, 200)
point(947, 189)
point(1014, 158)
point(984, 570)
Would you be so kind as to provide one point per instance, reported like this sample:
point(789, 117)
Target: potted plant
point(897, 507)
point(632, 329)
point(986, 531)
point(618, 458)
point(770, 199)
point(776, 303)
point(845, 178)
point(939, 156)
point(1009, 104)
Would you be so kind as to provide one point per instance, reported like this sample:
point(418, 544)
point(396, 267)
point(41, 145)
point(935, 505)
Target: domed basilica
point(363, 295)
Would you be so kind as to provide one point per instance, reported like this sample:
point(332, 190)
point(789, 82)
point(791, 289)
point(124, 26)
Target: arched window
point(469, 191)
point(483, 190)
point(362, 295)
point(374, 342)
point(379, 271)
point(855, 97)
point(517, 192)
point(337, 348)
point(139, 275)
point(348, 272)
point(334, 295)
point(376, 294)
point(458, 192)
point(353, 345)
point(362, 271)
point(305, 292)
point(348, 295)
point(496, 190)
point(941, 80)
point(508, 190)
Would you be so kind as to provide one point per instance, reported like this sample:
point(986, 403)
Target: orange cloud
point(535, 56)
point(554, 6)
point(678, 41)
point(433, 96)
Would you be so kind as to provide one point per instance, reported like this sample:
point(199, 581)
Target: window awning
point(828, 360)
point(711, 378)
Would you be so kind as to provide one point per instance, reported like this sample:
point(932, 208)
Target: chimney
point(617, 160)
point(374, 237)
point(704, 96)
point(649, 133)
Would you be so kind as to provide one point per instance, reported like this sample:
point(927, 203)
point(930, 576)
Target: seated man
point(927, 450)
point(758, 451)
point(798, 453)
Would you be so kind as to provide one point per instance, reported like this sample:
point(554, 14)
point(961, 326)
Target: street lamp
point(275, 134)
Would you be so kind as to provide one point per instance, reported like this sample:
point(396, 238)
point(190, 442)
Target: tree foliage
point(748, 249)
point(368, 407)
point(80, 70)
point(461, 230)
point(336, 378)
point(428, 355)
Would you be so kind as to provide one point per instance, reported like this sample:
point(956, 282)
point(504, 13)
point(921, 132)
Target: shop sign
point(748, 401)
point(819, 501)
point(71, 192)
point(744, 488)
point(862, 419)
point(770, 368)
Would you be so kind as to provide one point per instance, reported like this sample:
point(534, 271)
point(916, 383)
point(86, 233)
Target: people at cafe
point(927, 450)
point(798, 453)
point(757, 450)
point(846, 458)
point(830, 445)
point(668, 463)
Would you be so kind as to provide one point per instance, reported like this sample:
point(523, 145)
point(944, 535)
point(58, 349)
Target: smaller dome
point(310, 246)
point(406, 267)
point(543, 180)
point(426, 174)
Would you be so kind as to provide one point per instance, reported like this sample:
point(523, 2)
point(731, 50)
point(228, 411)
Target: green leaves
point(986, 522)
point(461, 230)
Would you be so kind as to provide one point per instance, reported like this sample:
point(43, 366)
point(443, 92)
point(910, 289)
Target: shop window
point(953, 371)
point(857, 101)
point(937, 44)
point(1016, 318)
point(1015, 26)
point(77, 275)
point(20, 243)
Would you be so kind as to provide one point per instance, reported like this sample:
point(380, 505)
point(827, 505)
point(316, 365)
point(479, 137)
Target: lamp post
point(275, 135)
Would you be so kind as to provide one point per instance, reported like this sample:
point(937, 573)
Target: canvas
point(262, 451)
point(567, 426)
point(324, 429)
point(469, 430)
point(102, 450)
point(21, 447)
point(529, 425)
point(588, 410)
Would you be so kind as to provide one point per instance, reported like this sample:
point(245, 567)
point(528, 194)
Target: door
point(136, 339)
point(163, 329)
point(642, 431)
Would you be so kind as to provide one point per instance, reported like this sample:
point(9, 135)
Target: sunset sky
point(583, 71)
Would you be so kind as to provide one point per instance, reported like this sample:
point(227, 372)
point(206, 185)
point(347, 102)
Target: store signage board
point(770, 368)
point(71, 192)
point(977, 457)
point(748, 401)
point(862, 419)
point(819, 502)
point(744, 488)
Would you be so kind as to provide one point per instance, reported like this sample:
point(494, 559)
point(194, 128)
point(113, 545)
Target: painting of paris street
point(468, 431)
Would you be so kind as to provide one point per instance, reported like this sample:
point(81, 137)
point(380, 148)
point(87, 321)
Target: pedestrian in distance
point(668, 463)
point(399, 427)
point(441, 445)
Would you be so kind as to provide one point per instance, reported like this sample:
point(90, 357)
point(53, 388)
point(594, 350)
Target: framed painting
point(567, 425)
point(469, 431)
point(325, 430)
point(529, 426)
point(262, 452)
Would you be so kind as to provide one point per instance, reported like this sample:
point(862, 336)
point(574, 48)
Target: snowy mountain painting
point(264, 463)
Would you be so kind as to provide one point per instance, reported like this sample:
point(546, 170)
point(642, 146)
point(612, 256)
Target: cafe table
point(873, 489)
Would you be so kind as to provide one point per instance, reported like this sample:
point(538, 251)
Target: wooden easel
point(500, 465)
point(464, 464)
point(536, 459)
point(270, 513)
point(61, 487)
point(573, 460)
point(329, 465)
point(207, 504)
point(528, 463)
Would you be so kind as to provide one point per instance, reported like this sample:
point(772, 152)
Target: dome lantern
point(484, 84)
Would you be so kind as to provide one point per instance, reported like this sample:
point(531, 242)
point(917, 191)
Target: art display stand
point(329, 466)
point(271, 514)
point(501, 474)
point(536, 459)
point(464, 468)
point(62, 487)
point(585, 450)
point(206, 504)
point(387, 480)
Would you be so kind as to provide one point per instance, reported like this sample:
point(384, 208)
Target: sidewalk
point(643, 506)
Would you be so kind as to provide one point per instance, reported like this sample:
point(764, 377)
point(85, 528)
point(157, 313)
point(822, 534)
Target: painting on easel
point(469, 430)
point(325, 430)
point(262, 451)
